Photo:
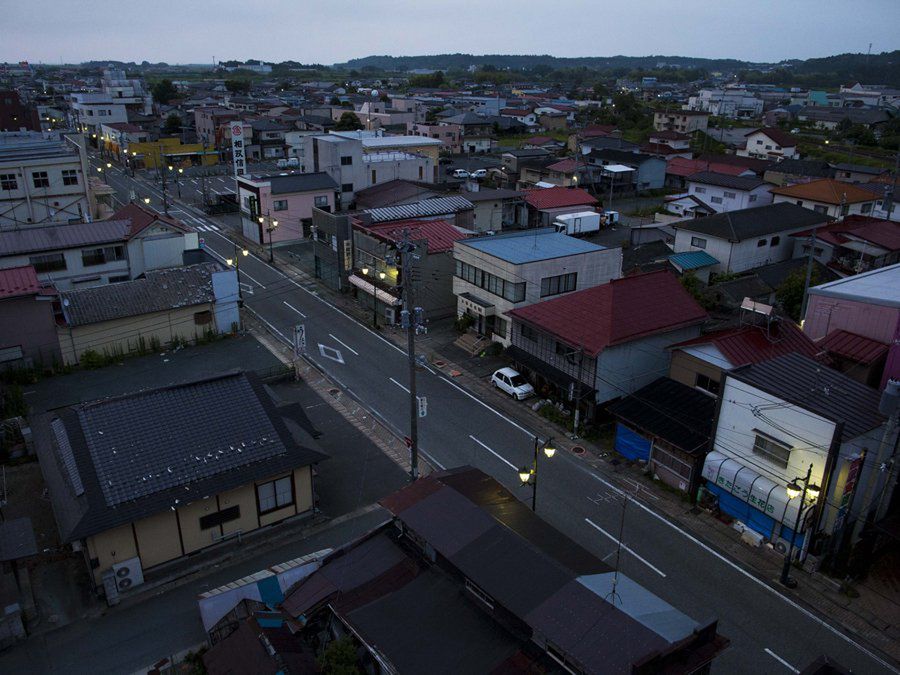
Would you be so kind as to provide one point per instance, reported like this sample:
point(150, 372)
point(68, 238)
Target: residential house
point(450, 135)
point(674, 139)
point(512, 159)
point(723, 192)
point(830, 197)
point(395, 193)
point(455, 209)
point(497, 210)
point(853, 244)
point(831, 118)
point(606, 341)
point(779, 419)
point(544, 204)
point(770, 143)
point(679, 168)
point(43, 179)
point(444, 593)
point(133, 242)
point(117, 137)
point(648, 172)
point(761, 284)
point(164, 307)
point(667, 425)
point(377, 142)
point(209, 124)
point(866, 305)
point(748, 238)
point(91, 109)
point(142, 479)
point(496, 274)
point(730, 102)
point(790, 171)
point(884, 188)
point(378, 263)
point(611, 142)
point(524, 115)
point(544, 142)
point(553, 121)
point(684, 206)
point(278, 207)
point(331, 235)
point(857, 173)
point(682, 121)
point(268, 139)
point(27, 322)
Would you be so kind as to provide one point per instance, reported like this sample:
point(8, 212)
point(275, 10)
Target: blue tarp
point(748, 514)
point(630, 444)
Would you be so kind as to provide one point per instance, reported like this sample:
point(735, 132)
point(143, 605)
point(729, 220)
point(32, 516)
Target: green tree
point(339, 658)
point(238, 86)
point(335, 100)
point(699, 292)
point(348, 122)
point(430, 81)
point(790, 293)
point(163, 91)
point(173, 124)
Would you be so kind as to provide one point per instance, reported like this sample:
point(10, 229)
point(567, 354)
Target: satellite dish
point(374, 93)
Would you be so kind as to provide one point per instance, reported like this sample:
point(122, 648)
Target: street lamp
point(103, 175)
point(270, 229)
point(147, 200)
point(529, 475)
point(794, 490)
point(236, 262)
point(178, 182)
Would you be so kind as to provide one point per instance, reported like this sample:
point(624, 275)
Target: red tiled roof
point(439, 233)
point(852, 346)
point(680, 166)
point(750, 344)
point(827, 191)
point(19, 281)
point(558, 197)
point(538, 140)
point(567, 165)
point(619, 311)
point(883, 233)
point(515, 112)
point(785, 140)
point(142, 217)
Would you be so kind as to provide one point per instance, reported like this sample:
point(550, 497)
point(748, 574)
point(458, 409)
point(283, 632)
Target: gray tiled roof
point(425, 207)
point(726, 180)
point(56, 237)
point(302, 182)
point(148, 452)
point(160, 290)
point(754, 222)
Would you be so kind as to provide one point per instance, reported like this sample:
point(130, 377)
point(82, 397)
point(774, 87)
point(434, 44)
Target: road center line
point(502, 459)
point(344, 344)
point(224, 260)
point(290, 306)
point(781, 660)
point(482, 403)
point(631, 551)
point(398, 384)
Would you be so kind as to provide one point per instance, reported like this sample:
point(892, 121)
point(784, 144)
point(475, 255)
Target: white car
point(479, 174)
point(513, 383)
point(460, 173)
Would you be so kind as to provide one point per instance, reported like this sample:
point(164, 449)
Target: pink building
point(282, 203)
point(448, 134)
point(857, 320)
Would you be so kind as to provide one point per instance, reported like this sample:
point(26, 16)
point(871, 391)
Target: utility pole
point(163, 170)
point(410, 320)
point(809, 269)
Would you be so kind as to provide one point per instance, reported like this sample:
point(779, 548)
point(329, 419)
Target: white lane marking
point(290, 306)
point(331, 353)
point(502, 459)
point(398, 384)
point(482, 403)
point(344, 345)
point(626, 548)
point(780, 660)
point(432, 460)
point(742, 571)
point(225, 261)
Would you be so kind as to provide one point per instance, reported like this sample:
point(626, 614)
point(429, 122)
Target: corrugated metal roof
point(426, 207)
point(55, 237)
point(18, 281)
point(528, 246)
point(692, 260)
point(439, 234)
point(558, 197)
point(878, 287)
point(752, 344)
point(852, 346)
point(302, 182)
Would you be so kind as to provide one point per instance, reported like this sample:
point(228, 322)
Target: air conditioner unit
point(128, 574)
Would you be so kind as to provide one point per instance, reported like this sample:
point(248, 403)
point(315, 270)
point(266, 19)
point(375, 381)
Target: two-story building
point(648, 172)
point(830, 197)
point(278, 207)
point(496, 274)
point(682, 121)
point(745, 239)
point(604, 342)
point(724, 192)
point(770, 143)
point(853, 244)
point(450, 135)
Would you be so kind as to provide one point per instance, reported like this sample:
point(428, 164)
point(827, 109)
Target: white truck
point(585, 222)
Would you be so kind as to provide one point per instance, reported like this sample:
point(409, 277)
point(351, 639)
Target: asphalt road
point(769, 633)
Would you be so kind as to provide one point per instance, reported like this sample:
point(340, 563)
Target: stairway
point(472, 343)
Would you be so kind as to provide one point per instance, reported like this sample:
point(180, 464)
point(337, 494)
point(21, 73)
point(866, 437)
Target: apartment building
point(682, 121)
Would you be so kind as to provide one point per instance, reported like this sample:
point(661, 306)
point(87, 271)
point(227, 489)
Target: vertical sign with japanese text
point(238, 149)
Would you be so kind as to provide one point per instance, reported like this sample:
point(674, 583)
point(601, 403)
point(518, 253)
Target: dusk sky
point(334, 31)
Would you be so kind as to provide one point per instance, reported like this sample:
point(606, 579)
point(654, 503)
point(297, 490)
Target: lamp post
point(102, 175)
point(795, 490)
point(270, 228)
point(529, 475)
point(147, 201)
point(236, 261)
point(381, 275)
point(178, 182)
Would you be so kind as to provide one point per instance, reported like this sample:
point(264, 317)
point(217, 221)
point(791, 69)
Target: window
point(219, 517)
point(202, 318)
point(347, 187)
point(759, 142)
point(774, 451)
point(374, 176)
point(275, 494)
point(761, 243)
point(528, 333)
point(321, 201)
point(40, 179)
point(730, 195)
point(8, 181)
point(51, 262)
point(70, 177)
point(752, 198)
point(699, 190)
point(559, 284)
point(818, 208)
point(707, 384)
point(698, 242)
point(775, 241)
point(500, 327)
point(514, 292)
point(101, 256)
point(866, 208)
point(715, 200)
point(280, 205)
point(347, 161)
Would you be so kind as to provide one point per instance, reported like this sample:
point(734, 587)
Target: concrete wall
point(57, 203)
point(741, 199)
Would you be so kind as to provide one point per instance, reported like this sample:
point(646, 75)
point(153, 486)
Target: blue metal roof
point(692, 260)
point(528, 246)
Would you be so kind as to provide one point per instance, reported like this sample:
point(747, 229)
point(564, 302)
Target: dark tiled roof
point(743, 224)
point(724, 180)
point(302, 182)
point(810, 385)
point(782, 138)
point(670, 410)
point(616, 312)
point(160, 290)
point(143, 453)
point(56, 237)
point(803, 167)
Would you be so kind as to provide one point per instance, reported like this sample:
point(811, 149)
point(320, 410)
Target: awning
point(472, 302)
point(555, 375)
point(368, 286)
point(746, 484)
